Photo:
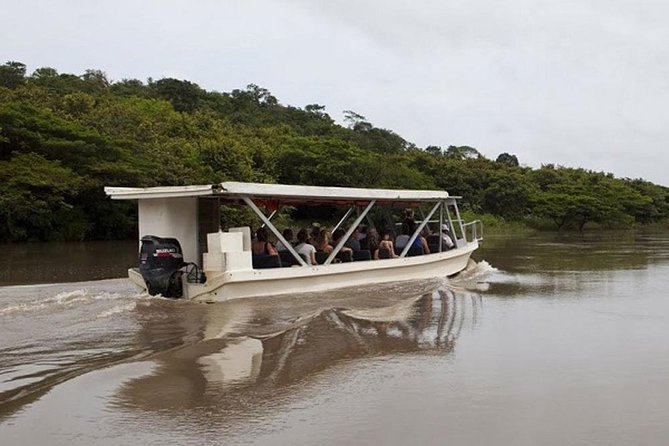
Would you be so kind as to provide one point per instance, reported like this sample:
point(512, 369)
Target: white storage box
point(246, 236)
point(227, 261)
point(218, 242)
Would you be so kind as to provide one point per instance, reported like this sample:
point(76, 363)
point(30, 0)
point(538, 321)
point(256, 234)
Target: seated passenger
point(362, 237)
point(384, 244)
point(409, 217)
point(371, 241)
point(314, 232)
point(323, 242)
point(445, 237)
point(336, 238)
point(261, 245)
point(305, 248)
point(288, 235)
point(405, 234)
point(423, 239)
point(353, 241)
point(408, 229)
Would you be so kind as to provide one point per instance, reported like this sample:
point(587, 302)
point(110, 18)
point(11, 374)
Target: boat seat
point(363, 254)
point(413, 251)
point(433, 243)
point(341, 257)
point(287, 258)
point(344, 257)
point(321, 257)
point(262, 262)
point(384, 253)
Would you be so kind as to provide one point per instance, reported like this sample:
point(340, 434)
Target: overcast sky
point(581, 84)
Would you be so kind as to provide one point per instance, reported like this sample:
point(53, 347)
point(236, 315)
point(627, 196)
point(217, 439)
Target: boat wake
point(51, 335)
point(240, 368)
point(60, 301)
point(474, 277)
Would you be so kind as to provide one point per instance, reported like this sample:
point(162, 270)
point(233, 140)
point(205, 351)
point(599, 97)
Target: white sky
point(574, 83)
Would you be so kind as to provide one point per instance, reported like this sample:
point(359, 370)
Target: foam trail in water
point(117, 309)
point(472, 277)
point(61, 300)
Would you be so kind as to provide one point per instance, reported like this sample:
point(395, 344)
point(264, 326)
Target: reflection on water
point(220, 371)
point(569, 253)
point(65, 262)
point(210, 355)
point(556, 265)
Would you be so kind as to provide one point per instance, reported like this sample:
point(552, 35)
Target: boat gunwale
point(342, 268)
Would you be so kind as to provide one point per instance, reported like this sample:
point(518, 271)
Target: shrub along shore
point(64, 136)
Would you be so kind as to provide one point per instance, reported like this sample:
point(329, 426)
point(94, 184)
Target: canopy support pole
point(275, 231)
point(441, 223)
point(269, 218)
point(420, 211)
point(343, 219)
point(419, 228)
point(343, 240)
point(462, 228)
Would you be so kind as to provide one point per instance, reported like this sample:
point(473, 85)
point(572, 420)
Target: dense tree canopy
point(64, 136)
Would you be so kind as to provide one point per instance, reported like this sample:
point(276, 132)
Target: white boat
point(190, 214)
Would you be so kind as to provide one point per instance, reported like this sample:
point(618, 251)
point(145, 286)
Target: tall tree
point(183, 95)
point(507, 159)
point(461, 152)
point(12, 74)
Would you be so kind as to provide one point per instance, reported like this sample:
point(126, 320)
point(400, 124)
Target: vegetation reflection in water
point(236, 370)
point(567, 252)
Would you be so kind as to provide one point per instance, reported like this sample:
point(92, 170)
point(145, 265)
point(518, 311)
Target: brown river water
point(551, 340)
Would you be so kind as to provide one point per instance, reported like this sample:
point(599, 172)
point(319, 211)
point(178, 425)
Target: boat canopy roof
point(281, 192)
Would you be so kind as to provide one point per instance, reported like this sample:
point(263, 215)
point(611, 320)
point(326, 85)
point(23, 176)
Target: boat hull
point(299, 279)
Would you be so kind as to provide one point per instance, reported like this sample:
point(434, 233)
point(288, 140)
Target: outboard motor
point(160, 263)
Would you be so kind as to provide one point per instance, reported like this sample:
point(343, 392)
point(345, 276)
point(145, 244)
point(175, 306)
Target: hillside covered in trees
point(64, 136)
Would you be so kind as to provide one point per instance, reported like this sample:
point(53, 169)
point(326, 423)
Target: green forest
point(65, 136)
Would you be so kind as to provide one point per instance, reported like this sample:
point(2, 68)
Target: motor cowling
point(160, 263)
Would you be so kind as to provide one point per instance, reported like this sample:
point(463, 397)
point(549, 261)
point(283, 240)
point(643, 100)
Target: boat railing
point(473, 230)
